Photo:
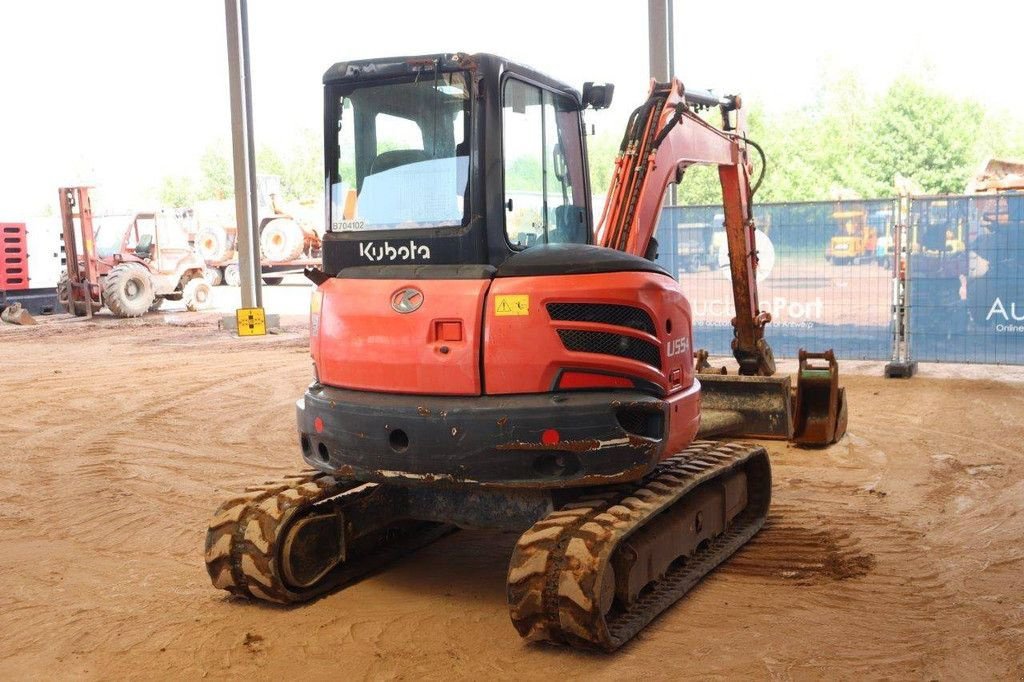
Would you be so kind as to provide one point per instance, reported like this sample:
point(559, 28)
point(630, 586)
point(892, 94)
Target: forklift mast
point(83, 273)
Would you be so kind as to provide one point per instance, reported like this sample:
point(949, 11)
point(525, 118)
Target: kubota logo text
point(387, 252)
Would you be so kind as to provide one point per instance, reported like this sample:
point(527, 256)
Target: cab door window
point(545, 197)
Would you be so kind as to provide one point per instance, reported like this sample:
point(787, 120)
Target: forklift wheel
point(128, 290)
point(196, 294)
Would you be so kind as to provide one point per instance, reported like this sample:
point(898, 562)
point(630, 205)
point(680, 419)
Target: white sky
point(120, 93)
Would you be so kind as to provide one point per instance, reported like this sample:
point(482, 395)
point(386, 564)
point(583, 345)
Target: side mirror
point(598, 95)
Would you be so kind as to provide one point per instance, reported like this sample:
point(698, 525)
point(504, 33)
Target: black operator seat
point(395, 158)
point(570, 228)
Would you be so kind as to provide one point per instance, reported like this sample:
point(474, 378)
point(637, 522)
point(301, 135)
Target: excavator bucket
point(812, 414)
point(751, 406)
point(820, 404)
point(15, 314)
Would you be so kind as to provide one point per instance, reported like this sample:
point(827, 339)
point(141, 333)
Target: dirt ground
point(896, 553)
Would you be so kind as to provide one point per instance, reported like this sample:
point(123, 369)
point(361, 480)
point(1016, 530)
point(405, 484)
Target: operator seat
point(397, 157)
point(570, 228)
point(144, 249)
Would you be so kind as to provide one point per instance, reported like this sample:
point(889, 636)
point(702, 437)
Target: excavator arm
point(663, 138)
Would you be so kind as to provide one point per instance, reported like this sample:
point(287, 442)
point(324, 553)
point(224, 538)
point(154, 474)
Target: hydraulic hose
point(764, 165)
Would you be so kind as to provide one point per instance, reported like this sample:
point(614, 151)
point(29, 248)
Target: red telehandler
point(485, 358)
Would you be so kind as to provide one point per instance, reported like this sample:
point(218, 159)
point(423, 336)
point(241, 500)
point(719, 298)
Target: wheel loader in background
point(129, 264)
point(481, 366)
point(288, 235)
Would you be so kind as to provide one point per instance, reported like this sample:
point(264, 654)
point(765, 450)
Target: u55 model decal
point(388, 252)
point(679, 346)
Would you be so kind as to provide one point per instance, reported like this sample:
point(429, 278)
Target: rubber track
point(558, 565)
point(245, 533)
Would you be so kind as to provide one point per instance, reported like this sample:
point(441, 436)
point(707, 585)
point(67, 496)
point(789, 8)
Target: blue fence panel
point(966, 273)
point(825, 274)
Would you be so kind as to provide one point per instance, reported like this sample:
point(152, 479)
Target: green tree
point(303, 175)
point(925, 135)
point(268, 161)
point(601, 152)
point(216, 172)
point(177, 191)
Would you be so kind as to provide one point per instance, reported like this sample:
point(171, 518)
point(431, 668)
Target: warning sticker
point(512, 304)
point(251, 322)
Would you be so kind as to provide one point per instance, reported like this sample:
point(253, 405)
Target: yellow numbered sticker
point(512, 304)
point(251, 322)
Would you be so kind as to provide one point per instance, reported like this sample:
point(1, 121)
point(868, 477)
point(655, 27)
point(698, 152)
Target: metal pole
point(670, 31)
point(242, 152)
point(657, 36)
point(671, 39)
point(660, 53)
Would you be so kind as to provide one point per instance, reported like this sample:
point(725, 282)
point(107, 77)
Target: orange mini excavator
point(485, 358)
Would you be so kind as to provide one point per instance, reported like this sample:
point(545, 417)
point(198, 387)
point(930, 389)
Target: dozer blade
point(597, 570)
point(746, 406)
point(820, 404)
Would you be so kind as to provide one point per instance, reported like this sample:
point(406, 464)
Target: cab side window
point(545, 197)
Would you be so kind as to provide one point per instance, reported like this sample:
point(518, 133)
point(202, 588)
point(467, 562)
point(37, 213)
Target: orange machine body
point(506, 342)
point(511, 336)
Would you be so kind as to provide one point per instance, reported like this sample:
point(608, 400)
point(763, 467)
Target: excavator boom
point(664, 137)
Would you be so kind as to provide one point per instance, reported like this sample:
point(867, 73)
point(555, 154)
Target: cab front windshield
point(401, 155)
point(109, 233)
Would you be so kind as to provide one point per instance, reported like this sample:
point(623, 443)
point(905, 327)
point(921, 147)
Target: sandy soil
point(896, 553)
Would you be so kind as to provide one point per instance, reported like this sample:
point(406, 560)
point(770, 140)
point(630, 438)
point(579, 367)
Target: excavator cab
point(461, 278)
point(451, 160)
point(486, 356)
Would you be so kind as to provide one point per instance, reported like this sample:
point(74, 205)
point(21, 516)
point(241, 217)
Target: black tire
point(64, 296)
point(128, 290)
point(196, 294)
point(232, 277)
point(272, 281)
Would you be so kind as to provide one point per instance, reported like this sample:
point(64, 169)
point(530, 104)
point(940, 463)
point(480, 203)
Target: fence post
point(902, 365)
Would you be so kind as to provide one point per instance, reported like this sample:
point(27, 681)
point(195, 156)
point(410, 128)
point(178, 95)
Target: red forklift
point(130, 269)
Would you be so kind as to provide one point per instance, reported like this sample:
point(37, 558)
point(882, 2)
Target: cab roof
point(482, 63)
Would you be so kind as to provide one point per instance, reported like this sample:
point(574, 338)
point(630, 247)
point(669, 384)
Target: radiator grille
point(605, 313)
point(611, 344)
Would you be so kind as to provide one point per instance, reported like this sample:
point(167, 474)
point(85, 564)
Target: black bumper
point(35, 301)
point(551, 440)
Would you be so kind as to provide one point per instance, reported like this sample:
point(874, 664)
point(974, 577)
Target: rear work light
point(581, 380)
